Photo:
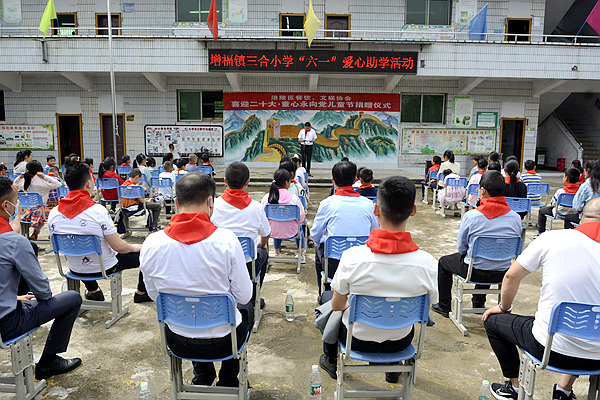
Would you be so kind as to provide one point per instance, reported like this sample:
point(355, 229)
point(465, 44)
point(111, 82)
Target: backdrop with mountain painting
point(266, 135)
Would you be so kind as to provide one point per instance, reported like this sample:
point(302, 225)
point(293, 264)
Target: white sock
point(516, 389)
point(568, 393)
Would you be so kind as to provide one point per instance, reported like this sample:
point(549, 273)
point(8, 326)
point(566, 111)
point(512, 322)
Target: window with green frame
point(198, 106)
point(196, 10)
point(422, 108)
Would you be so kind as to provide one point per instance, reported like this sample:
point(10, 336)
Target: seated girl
point(449, 195)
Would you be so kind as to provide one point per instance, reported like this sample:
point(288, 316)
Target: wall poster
point(237, 11)
point(438, 140)
point(466, 10)
point(462, 112)
point(26, 137)
point(262, 127)
point(487, 120)
point(10, 11)
point(186, 138)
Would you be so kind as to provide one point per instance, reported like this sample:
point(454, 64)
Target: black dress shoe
point(94, 296)
point(436, 307)
point(141, 298)
point(328, 366)
point(262, 303)
point(59, 366)
point(392, 377)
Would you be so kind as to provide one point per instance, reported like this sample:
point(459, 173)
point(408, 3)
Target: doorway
point(512, 133)
point(520, 27)
point(69, 135)
point(337, 22)
point(106, 127)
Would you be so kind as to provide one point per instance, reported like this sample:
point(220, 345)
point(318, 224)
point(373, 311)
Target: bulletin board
point(26, 137)
point(438, 140)
point(186, 138)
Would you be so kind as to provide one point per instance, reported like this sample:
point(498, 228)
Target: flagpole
point(112, 82)
point(469, 23)
point(584, 22)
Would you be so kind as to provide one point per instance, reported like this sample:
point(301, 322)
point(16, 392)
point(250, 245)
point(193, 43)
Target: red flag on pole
point(213, 21)
point(594, 18)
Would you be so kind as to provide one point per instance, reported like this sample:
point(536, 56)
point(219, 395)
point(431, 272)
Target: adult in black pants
point(306, 137)
point(20, 314)
point(577, 283)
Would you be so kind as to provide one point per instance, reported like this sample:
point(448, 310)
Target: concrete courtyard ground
point(280, 354)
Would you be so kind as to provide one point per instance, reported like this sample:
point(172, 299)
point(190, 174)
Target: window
point(338, 22)
point(197, 106)
point(2, 113)
point(291, 21)
point(428, 12)
point(520, 27)
point(422, 108)
point(102, 22)
point(65, 24)
point(196, 10)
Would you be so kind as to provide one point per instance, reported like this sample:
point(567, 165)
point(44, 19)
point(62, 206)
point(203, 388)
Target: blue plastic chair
point(12, 176)
point(334, 247)
point(22, 384)
point(62, 191)
point(372, 198)
point(518, 204)
point(107, 184)
point(161, 169)
point(81, 246)
point(207, 169)
point(454, 182)
point(131, 192)
point(473, 188)
point(29, 200)
point(201, 312)
point(491, 249)
point(249, 248)
point(388, 314)
point(577, 320)
point(564, 200)
point(46, 169)
point(123, 170)
point(303, 201)
point(306, 177)
point(432, 176)
point(440, 178)
point(539, 189)
point(286, 212)
point(154, 173)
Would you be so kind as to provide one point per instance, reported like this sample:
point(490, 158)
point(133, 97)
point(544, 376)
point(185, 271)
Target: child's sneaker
point(504, 392)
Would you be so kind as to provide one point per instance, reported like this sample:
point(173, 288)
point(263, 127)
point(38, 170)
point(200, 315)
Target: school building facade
point(387, 83)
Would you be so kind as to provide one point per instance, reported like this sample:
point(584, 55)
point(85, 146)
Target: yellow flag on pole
point(49, 14)
point(312, 24)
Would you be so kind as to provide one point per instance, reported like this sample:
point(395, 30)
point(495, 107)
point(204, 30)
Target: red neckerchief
point(93, 176)
point(32, 175)
point(493, 207)
point(237, 197)
point(434, 167)
point(590, 229)
point(75, 203)
point(293, 180)
point(507, 180)
point(128, 183)
point(366, 186)
point(125, 165)
point(571, 188)
point(481, 172)
point(532, 172)
point(386, 242)
point(5, 226)
point(347, 191)
point(190, 228)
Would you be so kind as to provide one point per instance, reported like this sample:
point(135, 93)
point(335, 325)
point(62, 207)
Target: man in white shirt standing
point(236, 211)
point(78, 214)
point(306, 137)
point(218, 267)
point(389, 265)
point(562, 280)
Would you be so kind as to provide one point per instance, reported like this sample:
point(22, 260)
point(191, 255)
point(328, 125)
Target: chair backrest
point(538, 188)
point(473, 188)
point(248, 246)
point(130, 192)
point(76, 245)
point(196, 311)
point(565, 199)
point(107, 183)
point(161, 182)
point(336, 245)
point(303, 201)
point(519, 204)
point(579, 320)
point(372, 198)
point(457, 182)
point(497, 248)
point(12, 176)
point(123, 170)
point(433, 174)
point(388, 313)
point(161, 169)
point(306, 177)
point(282, 212)
point(440, 176)
point(30, 199)
point(62, 191)
point(207, 169)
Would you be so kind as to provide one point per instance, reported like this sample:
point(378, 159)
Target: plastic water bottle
point(145, 392)
point(316, 390)
point(289, 306)
point(484, 392)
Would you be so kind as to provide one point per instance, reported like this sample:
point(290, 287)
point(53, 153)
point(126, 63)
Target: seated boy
point(571, 186)
point(482, 164)
point(191, 165)
point(206, 162)
point(366, 188)
point(50, 162)
point(167, 193)
point(389, 265)
point(181, 163)
point(437, 161)
point(531, 177)
point(134, 179)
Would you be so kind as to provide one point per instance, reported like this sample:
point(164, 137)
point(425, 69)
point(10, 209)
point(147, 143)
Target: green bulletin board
point(438, 140)
point(487, 120)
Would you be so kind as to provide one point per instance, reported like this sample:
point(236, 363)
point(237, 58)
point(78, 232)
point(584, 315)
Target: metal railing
point(566, 131)
point(242, 33)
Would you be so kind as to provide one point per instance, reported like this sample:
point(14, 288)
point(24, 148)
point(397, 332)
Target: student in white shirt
point(218, 267)
point(167, 193)
point(389, 265)
point(306, 137)
point(21, 160)
point(300, 171)
point(236, 211)
point(562, 280)
point(78, 214)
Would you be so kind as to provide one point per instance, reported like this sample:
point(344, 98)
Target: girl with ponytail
point(279, 194)
point(514, 186)
point(33, 180)
point(106, 170)
point(21, 160)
